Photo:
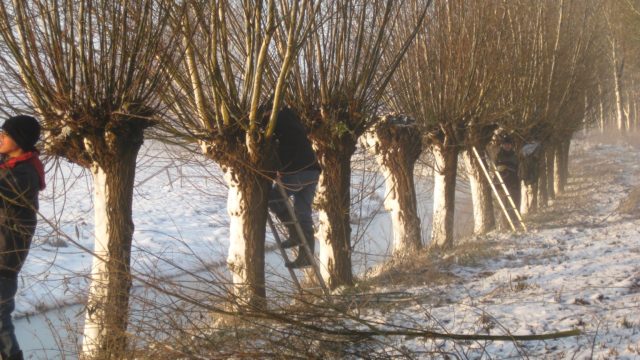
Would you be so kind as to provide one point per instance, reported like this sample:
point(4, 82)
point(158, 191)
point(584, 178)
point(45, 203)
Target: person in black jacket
point(21, 179)
point(298, 171)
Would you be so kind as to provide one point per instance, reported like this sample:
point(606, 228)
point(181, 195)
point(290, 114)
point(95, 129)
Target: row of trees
point(214, 73)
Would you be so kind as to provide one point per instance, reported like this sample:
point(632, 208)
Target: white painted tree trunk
point(247, 209)
point(627, 112)
point(445, 171)
point(561, 168)
point(558, 187)
point(405, 221)
point(617, 88)
point(635, 115)
point(93, 329)
point(529, 199)
point(107, 316)
point(396, 144)
point(326, 251)
point(334, 227)
point(601, 109)
point(483, 217)
point(550, 159)
point(542, 194)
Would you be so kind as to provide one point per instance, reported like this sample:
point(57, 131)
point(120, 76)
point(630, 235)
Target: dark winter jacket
point(507, 163)
point(19, 188)
point(293, 147)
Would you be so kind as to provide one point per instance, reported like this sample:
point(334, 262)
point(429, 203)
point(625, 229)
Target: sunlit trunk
point(601, 120)
point(483, 217)
point(617, 88)
point(635, 115)
point(529, 199)
point(334, 199)
point(561, 167)
point(445, 172)
point(629, 113)
point(543, 195)
point(530, 166)
point(247, 208)
point(549, 156)
point(108, 301)
point(396, 147)
point(633, 112)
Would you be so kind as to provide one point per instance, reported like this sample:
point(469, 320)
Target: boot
point(290, 242)
point(301, 261)
point(293, 240)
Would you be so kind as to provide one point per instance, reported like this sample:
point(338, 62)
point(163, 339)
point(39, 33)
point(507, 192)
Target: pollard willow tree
point(396, 143)
point(491, 52)
point(444, 83)
point(584, 43)
point(88, 69)
point(620, 20)
point(229, 65)
point(336, 88)
point(616, 54)
point(552, 68)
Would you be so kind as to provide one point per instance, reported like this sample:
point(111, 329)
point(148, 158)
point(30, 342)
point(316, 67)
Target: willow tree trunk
point(247, 202)
point(333, 198)
point(543, 195)
point(529, 199)
point(483, 217)
point(561, 167)
point(108, 301)
point(601, 122)
point(549, 156)
point(617, 88)
point(444, 194)
point(633, 106)
point(397, 145)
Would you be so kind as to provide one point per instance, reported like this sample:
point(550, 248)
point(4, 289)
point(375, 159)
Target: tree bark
point(108, 302)
point(245, 160)
point(247, 203)
point(561, 167)
point(543, 195)
point(617, 88)
point(396, 146)
point(635, 114)
point(529, 200)
point(633, 111)
point(601, 121)
point(333, 198)
point(549, 156)
point(483, 217)
point(445, 172)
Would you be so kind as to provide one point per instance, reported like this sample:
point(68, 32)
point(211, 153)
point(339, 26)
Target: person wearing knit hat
point(21, 180)
point(24, 130)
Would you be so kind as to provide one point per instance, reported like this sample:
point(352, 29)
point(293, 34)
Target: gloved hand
point(501, 168)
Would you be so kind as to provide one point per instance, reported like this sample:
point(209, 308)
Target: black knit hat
point(24, 130)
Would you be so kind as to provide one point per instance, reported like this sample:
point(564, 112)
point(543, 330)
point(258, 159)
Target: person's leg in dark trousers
point(9, 347)
point(302, 185)
point(303, 201)
point(279, 208)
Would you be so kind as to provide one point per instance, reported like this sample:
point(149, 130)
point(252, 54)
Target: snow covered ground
point(577, 268)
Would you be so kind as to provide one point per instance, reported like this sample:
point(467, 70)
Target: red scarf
point(32, 158)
